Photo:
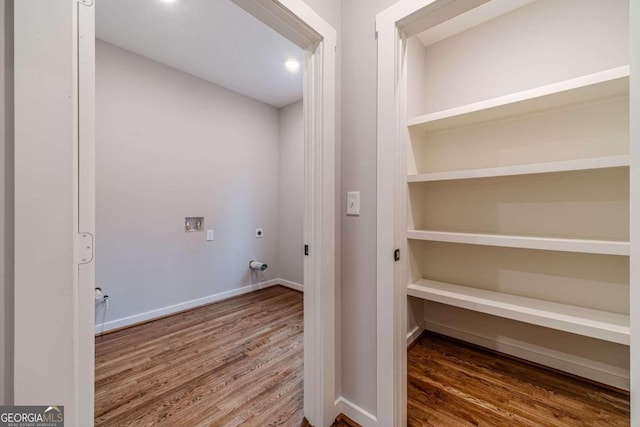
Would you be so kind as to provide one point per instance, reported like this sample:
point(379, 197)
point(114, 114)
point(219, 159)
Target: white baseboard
point(602, 373)
point(291, 285)
point(356, 413)
point(414, 334)
point(164, 311)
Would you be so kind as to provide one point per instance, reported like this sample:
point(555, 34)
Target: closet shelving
point(604, 162)
point(603, 247)
point(592, 87)
point(578, 320)
point(598, 87)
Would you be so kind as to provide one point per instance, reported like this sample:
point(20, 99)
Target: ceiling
point(212, 39)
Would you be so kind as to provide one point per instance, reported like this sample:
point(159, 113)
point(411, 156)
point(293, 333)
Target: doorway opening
point(300, 25)
point(200, 205)
point(512, 213)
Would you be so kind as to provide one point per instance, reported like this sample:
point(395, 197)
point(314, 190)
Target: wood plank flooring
point(235, 362)
point(239, 363)
point(454, 384)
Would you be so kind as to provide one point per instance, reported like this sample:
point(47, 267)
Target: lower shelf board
point(598, 324)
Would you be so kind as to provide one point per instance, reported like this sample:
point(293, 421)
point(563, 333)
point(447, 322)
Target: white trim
point(414, 334)
point(356, 413)
point(391, 298)
point(86, 210)
point(575, 365)
point(291, 285)
point(634, 262)
point(277, 15)
point(320, 216)
point(194, 303)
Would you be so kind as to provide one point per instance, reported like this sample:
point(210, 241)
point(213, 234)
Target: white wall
point(170, 145)
point(45, 271)
point(581, 35)
point(291, 194)
point(6, 199)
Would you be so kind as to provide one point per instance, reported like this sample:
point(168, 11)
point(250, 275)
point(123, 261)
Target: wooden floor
point(239, 362)
point(453, 384)
point(236, 362)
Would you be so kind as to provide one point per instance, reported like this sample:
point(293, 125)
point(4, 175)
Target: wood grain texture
point(343, 421)
point(231, 363)
point(454, 384)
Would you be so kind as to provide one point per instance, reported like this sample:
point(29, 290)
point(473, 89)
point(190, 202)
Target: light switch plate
point(210, 235)
point(353, 203)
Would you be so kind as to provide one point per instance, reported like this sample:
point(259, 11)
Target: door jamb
point(296, 21)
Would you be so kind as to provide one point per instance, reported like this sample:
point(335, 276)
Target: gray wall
point(359, 83)
point(291, 190)
point(6, 203)
point(354, 22)
point(170, 145)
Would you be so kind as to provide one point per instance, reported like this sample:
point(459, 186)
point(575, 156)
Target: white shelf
point(528, 169)
point(600, 85)
point(598, 324)
point(604, 247)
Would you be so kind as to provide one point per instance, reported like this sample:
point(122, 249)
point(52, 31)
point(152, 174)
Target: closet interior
point(518, 185)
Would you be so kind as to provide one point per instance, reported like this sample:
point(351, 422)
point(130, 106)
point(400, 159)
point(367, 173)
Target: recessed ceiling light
point(168, 1)
point(292, 65)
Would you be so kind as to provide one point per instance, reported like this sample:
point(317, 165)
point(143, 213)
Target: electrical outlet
point(210, 235)
point(259, 232)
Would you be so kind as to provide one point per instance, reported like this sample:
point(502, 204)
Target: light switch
point(353, 203)
point(210, 235)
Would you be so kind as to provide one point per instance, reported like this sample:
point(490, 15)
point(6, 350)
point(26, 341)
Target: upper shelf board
point(527, 169)
point(602, 247)
point(601, 85)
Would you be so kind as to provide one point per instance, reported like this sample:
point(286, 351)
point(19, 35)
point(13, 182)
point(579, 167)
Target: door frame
point(301, 25)
point(59, 37)
point(394, 26)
